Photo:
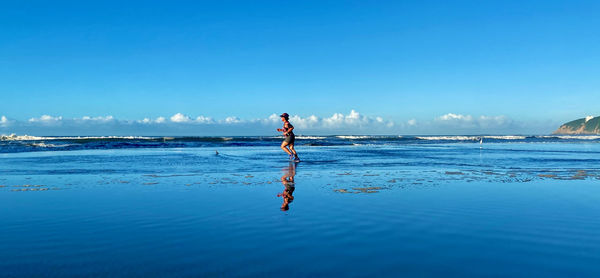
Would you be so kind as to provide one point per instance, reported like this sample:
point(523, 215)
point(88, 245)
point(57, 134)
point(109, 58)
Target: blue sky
point(422, 67)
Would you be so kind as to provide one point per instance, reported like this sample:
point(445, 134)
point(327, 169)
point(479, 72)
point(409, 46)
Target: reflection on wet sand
point(289, 186)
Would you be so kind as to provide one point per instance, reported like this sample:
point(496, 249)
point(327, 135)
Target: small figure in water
point(288, 142)
point(289, 186)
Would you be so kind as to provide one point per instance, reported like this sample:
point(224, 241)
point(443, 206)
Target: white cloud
point(46, 120)
point(232, 120)
point(455, 117)
point(98, 119)
point(467, 123)
point(353, 119)
point(4, 122)
point(204, 120)
point(272, 119)
point(180, 118)
point(588, 118)
point(493, 121)
point(337, 123)
point(308, 122)
point(148, 121)
point(335, 119)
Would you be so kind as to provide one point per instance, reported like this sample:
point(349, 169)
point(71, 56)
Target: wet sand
point(237, 215)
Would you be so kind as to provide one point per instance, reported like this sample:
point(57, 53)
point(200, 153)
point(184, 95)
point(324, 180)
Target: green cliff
point(587, 125)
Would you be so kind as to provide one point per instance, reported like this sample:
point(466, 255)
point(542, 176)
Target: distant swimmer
point(216, 152)
point(288, 142)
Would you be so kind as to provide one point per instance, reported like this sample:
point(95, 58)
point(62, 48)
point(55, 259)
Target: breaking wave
point(472, 138)
point(25, 143)
point(14, 137)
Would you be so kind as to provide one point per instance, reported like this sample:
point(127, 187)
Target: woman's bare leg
point(291, 146)
point(283, 147)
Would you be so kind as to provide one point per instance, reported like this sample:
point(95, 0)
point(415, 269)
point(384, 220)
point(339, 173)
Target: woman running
point(288, 142)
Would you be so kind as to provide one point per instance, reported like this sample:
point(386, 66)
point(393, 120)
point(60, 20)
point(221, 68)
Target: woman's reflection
point(289, 186)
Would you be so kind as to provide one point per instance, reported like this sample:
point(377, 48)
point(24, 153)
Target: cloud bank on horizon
point(180, 124)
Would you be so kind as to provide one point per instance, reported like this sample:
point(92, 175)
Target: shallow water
point(435, 209)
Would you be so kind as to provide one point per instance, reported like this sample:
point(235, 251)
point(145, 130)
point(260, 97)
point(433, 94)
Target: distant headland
point(587, 125)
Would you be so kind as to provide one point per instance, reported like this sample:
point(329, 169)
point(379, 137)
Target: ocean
point(355, 206)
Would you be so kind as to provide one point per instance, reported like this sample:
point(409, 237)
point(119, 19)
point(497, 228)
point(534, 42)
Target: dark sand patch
point(173, 175)
point(454, 173)
point(490, 173)
point(580, 175)
point(29, 185)
point(371, 189)
point(32, 189)
point(356, 190)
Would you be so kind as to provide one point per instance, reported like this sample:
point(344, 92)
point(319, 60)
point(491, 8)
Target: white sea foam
point(353, 137)
point(472, 138)
point(454, 138)
point(14, 137)
point(310, 137)
point(506, 137)
point(301, 137)
point(46, 145)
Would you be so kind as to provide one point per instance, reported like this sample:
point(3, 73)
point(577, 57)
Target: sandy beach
point(432, 210)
